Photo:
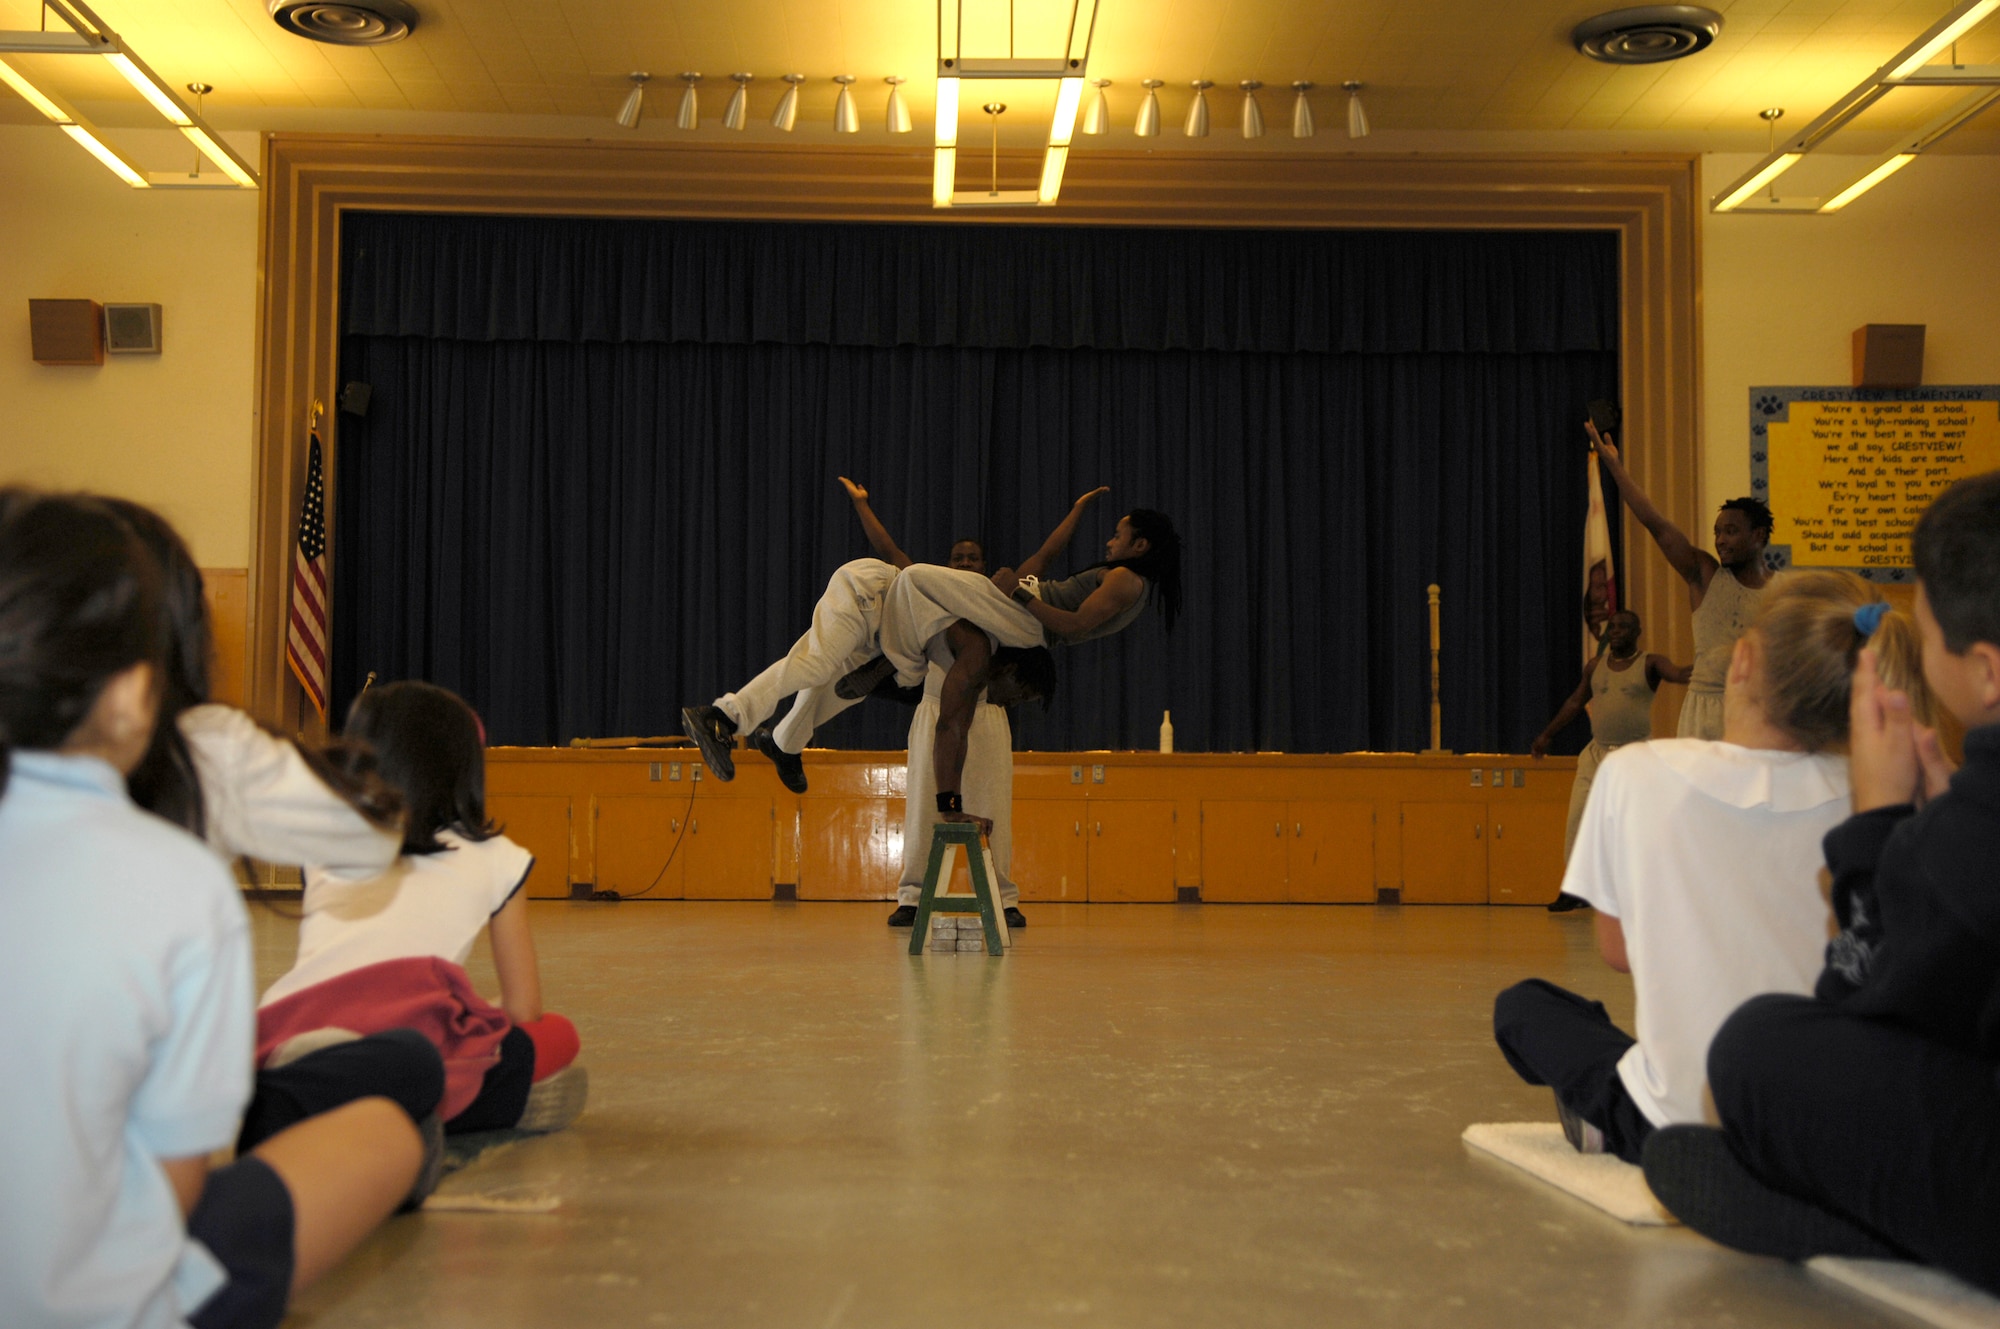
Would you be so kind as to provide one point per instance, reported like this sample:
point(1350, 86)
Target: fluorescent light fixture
point(1052, 173)
point(738, 111)
point(896, 115)
point(1064, 124)
point(787, 113)
point(1868, 182)
point(12, 78)
point(1759, 180)
point(111, 160)
point(1097, 115)
point(947, 114)
point(218, 154)
point(1958, 27)
point(163, 101)
point(1196, 124)
point(944, 174)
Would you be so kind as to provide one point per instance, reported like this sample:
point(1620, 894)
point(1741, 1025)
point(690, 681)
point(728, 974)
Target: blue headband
point(1869, 617)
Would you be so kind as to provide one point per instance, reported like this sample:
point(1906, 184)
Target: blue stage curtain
point(597, 480)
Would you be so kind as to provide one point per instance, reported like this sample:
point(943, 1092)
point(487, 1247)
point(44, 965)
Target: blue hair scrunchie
point(1869, 617)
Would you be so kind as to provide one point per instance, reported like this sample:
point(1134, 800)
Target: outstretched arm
point(1059, 538)
point(972, 654)
point(514, 961)
point(1572, 707)
point(871, 525)
point(1694, 565)
point(1666, 671)
point(1113, 596)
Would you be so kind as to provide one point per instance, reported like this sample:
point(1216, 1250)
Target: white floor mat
point(1538, 1148)
point(1932, 1295)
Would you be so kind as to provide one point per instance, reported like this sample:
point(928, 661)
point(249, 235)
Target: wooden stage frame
point(1097, 827)
point(1651, 201)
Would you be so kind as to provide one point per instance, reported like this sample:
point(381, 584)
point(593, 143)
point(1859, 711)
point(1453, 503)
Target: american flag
point(306, 638)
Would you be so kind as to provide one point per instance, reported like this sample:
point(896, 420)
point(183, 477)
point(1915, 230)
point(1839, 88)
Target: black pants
point(1869, 1120)
point(504, 1094)
point(400, 1065)
point(1552, 1036)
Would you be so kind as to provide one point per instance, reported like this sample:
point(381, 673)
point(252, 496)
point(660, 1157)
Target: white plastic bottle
point(1166, 731)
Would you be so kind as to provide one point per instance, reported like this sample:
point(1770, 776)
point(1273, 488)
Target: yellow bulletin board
point(1847, 471)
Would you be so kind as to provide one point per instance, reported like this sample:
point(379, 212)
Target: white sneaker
point(556, 1101)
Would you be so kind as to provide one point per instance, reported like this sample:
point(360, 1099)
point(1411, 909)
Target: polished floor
point(1142, 1116)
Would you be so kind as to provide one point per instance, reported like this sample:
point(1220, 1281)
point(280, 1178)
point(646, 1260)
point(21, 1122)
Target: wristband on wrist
point(950, 802)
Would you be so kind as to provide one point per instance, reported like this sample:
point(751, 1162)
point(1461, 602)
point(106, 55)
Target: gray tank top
point(1070, 592)
point(1725, 611)
point(1621, 703)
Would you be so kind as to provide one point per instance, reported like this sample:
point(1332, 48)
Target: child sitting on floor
point(386, 949)
point(1865, 1120)
point(1702, 860)
point(128, 965)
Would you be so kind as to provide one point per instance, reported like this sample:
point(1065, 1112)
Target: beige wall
point(1783, 295)
point(171, 430)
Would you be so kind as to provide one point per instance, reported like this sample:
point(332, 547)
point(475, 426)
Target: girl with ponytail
point(128, 965)
point(1702, 858)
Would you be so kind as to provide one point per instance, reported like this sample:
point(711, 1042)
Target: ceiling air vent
point(1647, 35)
point(346, 22)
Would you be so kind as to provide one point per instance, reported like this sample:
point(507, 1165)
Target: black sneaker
point(1702, 1182)
point(1582, 1136)
point(903, 916)
point(862, 681)
point(890, 690)
point(791, 769)
point(715, 734)
point(1565, 902)
point(1015, 919)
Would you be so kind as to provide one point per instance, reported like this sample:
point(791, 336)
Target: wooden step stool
point(984, 901)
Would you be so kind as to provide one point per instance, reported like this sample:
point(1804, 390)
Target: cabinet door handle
point(695, 826)
point(1499, 831)
point(1478, 831)
point(674, 825)
point(1100, 828)
point(1298, 828)
point(1277, 828)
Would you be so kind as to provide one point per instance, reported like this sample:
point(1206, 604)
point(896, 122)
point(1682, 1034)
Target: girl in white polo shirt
point(383, 949)
point(127, 941)
point(1702, 859)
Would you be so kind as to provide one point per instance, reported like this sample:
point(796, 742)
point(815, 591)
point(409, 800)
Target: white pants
point(1587, 763)
point(845, 634)
point(927, 599)
point(988, 790)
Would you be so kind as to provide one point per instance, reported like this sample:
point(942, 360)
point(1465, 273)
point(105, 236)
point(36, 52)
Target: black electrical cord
point(613, 897)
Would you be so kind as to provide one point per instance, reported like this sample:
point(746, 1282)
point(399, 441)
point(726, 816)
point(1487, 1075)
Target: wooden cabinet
point(1267, 852)
point(1524, 851)
point(727, 852)
point(539, 823)
point(641, 846)
point(1244, 845)
point(1051, 861)
point(1131, 851)
point(1444, 853)
point(850, 848)
point(1330, 853)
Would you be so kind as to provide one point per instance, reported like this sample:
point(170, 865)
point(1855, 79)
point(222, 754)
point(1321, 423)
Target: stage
point(1096, 827)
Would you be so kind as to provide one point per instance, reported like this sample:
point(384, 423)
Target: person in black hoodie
point(1865, 1120)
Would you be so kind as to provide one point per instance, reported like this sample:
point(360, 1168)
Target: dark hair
point(1754, 512)
point(426, 744)
point(1035, 666)
point(79, 605)
point(1161, 563)
point(165, 782)
point(969, 540)
point(1956, 550)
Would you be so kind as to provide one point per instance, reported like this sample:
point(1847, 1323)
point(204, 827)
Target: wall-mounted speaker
point(1889, 355)
point(66, 332)
point(132, 329)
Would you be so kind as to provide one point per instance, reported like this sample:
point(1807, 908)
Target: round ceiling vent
point(346, 22)
point(1647, 35)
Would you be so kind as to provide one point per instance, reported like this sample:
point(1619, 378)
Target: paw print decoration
point(1770, 405)
point(1777, 557)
